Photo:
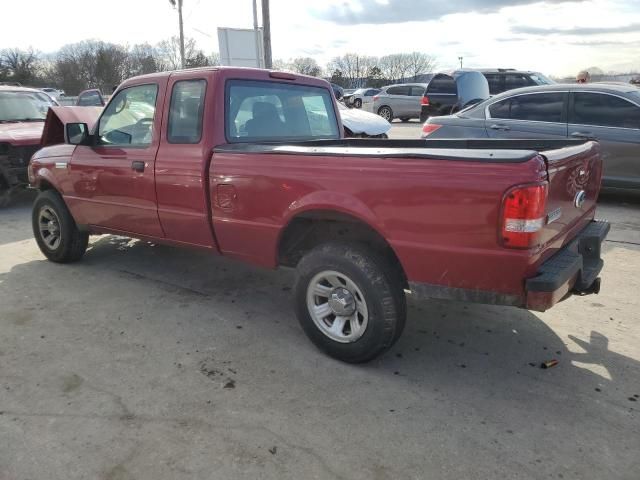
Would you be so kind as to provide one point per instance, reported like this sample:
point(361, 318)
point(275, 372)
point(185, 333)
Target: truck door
point(113, 179)
point(180, 164)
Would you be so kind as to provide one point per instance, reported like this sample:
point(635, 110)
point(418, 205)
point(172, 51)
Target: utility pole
point(256, 32)
point(460, 58)
point(173, 2)
point(266, 32)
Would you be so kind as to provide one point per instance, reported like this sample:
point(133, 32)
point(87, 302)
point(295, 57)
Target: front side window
point(185, 111)
point(500, 109)
point(604, 110)
point(128, 119)
point(24, 106)
point(258, 110)
point(539, 107)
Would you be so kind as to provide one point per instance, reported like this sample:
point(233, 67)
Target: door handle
point(137, 166)
point(497, 126)
point(581, 135)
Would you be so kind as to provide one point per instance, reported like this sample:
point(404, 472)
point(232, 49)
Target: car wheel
point(357, 103)
point(56, 232)
point(405, 119)
point(386, 113)
point(349, 301)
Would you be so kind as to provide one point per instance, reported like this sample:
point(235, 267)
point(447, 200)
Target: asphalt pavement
point(150, 362)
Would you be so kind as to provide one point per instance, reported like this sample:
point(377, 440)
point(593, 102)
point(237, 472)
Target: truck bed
point(489, 150)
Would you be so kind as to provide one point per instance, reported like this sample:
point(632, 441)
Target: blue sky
point(555, 37)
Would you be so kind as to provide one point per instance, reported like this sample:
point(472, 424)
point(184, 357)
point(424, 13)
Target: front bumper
point(572, 270)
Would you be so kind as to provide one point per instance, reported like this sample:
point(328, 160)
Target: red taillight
point(376, 97)
point(425, 101)
point(523, 215)
point(429, 128)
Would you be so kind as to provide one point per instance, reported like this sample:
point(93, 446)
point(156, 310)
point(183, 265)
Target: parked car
point(346, 94)
point(609, 113)
point(441, 94)
point(22, 115)
point(360, 124)
point(338, 91)
point(398, 101)
point(53, 92)
point(90, 98)
point(240, 162)
point(361, 96)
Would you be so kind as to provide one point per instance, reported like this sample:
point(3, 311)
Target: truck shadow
point(446, 345)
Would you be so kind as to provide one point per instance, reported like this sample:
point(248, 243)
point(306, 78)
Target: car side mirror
point(76, 133)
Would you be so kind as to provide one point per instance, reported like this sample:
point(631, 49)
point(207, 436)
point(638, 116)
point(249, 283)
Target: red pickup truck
point(251, 164)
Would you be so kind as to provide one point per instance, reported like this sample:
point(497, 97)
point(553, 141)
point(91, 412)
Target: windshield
point(541, 79)
point(25, 106)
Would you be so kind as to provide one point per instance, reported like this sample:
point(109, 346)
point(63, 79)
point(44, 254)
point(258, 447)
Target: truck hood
point(363, 122)
point(21, 133)
point(58, 117)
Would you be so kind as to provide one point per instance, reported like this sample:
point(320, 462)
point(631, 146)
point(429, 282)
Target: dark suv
point(441, 94)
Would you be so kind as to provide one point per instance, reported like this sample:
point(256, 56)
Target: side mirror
point(76, 133)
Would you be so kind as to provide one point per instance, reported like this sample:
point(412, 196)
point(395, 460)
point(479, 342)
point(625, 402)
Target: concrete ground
point(150, 362)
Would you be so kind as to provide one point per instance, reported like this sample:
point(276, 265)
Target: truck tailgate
point(574, 175)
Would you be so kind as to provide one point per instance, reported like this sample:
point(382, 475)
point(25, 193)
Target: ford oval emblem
point(579, 199)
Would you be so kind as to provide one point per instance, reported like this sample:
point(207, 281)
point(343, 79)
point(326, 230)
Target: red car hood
point(21, 133)
point(58, 117)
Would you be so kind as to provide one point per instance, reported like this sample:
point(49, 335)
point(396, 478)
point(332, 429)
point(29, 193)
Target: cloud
point(400, 11)
point(629, 28)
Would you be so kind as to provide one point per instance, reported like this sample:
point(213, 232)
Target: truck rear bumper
point(572, 270)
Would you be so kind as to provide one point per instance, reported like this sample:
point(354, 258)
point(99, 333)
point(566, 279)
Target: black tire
point(386, 113)
point(405, 119)
point(382, 291)
point(72, 242)
point(357, 103)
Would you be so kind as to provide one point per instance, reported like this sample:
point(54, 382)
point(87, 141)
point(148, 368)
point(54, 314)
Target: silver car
point(401, 101)
point(608, 112)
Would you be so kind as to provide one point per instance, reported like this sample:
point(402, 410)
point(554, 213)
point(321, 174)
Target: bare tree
point(353, 67)
point(169, 51)
point(420, 63)
point(23, 66)
point(306, 66)
point(143, 58)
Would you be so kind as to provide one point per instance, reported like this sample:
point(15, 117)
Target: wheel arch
point(314, 226)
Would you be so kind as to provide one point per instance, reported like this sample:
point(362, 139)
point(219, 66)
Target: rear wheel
point(386, 113)
point(349, 301)
point(55, 230)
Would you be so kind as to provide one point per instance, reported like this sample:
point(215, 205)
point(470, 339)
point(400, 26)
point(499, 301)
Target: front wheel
point(55, 230)
point(357, 103)
point(349, 301)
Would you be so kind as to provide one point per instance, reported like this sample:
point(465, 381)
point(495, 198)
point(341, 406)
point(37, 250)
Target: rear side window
point(517, 80)
point(442, 85)
point(417, 91)
point(371, 92)
point(604, 110)
point(185, 111)
point(539, 107)
point(495, 83)
point(398, 91)
point(257, 110)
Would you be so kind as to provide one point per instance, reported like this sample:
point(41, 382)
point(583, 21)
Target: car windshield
point(541, 79)
point(24, 106)
point(635, 95)
point(360, 91)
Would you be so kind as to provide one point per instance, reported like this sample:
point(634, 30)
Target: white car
point(53, 92)
point(362, 96)
point(358, 123)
